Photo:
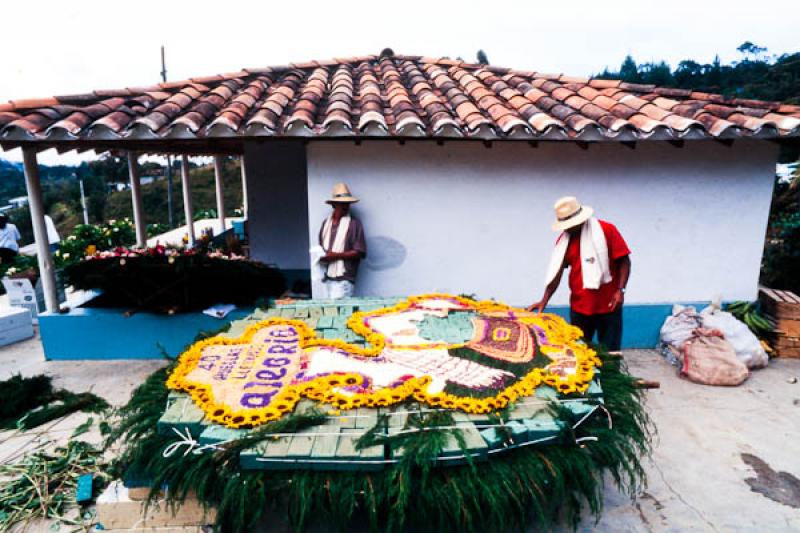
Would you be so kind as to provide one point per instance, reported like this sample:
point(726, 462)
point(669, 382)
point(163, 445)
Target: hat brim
point(342, 200)
point(585, 214)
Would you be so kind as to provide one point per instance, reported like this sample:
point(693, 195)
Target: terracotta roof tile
point(399, 95)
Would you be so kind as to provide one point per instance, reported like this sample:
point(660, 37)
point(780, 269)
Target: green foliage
point(26, 403)
point(154, 195)
point(19, 395)
point(757, 76)
point(44, 485)
point(532, 486)
point(781, 262)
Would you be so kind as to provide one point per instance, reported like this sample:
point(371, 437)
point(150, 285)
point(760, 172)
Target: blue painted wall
point(86, 333)
point(641, 323)
point(107, 334)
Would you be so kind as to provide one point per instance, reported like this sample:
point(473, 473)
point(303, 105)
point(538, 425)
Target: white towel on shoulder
point(335, 268)
point(595, 266)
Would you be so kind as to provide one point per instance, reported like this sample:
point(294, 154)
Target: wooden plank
point(526, 408)
point(325, 322)
point(324, 449)
point(452, 454)
point(182, 414)
point(300, 445)
point(365, 420)
point(542, 426)
point(275, 449)
point(215, 433)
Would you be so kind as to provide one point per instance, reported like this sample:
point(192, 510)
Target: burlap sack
point(709, 359)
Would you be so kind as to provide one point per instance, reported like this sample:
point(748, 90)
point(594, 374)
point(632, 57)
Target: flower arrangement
point(252, 380)
point(170, 279)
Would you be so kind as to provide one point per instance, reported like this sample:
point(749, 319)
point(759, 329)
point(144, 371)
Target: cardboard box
point(116, 510)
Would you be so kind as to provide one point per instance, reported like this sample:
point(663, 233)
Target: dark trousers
point(7, 255)
point(608, 327)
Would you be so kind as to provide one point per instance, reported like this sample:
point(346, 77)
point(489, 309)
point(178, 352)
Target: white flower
point(66, 256)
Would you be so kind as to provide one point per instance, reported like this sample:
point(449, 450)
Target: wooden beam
point(678, 143)
point(187, 199)
point(725, 142)
point(533, 144)
point(47, 271)
point(629, 144)
point(220, 190)
point(244, 186)
point(136, 200)
point(583, 145)
point(487, 143)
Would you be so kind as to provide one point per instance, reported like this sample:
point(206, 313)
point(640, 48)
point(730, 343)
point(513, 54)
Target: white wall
point(277, 203)
point(466, 218)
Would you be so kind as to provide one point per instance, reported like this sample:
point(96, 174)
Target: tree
point(750, 51)
point(482, 57)
point(657, 74)
point(629, 71)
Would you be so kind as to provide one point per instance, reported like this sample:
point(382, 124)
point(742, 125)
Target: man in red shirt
point(599, 263)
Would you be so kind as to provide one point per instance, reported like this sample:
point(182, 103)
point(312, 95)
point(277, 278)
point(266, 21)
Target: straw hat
point(570, 213)
point(341, 194)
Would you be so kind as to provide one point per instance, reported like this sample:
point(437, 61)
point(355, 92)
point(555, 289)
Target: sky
point(57, 47)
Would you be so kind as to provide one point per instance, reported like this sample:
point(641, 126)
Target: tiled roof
point(396, 96)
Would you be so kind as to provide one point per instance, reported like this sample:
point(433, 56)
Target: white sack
point(747, 346)
point(679, 327)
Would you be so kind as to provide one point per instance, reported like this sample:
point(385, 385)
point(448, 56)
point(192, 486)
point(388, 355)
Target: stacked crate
point(783, 310)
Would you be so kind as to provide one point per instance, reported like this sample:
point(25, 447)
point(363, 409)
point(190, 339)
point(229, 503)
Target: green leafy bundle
point(30, 402)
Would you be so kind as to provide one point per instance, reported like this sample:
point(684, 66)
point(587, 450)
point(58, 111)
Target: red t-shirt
point(595, 301)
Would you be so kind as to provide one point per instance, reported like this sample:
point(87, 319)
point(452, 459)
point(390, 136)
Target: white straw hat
point(341, 194)
point(570, 213)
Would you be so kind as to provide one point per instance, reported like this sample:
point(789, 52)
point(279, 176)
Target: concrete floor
point(710, 442)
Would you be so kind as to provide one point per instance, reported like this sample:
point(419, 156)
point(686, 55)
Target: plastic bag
point(679, 327)
point(711, 360)
point(745, 343)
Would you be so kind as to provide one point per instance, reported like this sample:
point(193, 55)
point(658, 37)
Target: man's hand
point(538, 306)
point(617, 300)
point(331, 257)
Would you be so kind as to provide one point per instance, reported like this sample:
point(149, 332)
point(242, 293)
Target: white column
point(187, 199)
point(136, 198)
point(220, 192)
point(47, 272)
point(244, 187)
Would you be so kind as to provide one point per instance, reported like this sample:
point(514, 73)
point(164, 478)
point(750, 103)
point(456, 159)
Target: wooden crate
point(780, 304)
point(783, 310)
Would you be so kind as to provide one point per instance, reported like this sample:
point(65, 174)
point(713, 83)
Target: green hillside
point(154, 195)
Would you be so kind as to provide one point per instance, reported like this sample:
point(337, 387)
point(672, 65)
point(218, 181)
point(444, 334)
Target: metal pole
point(220, 192)
point(170, 208)
point(244, 187)
point(187, 199)
point(136, 198)
point(47, 272)
point(83, 204)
